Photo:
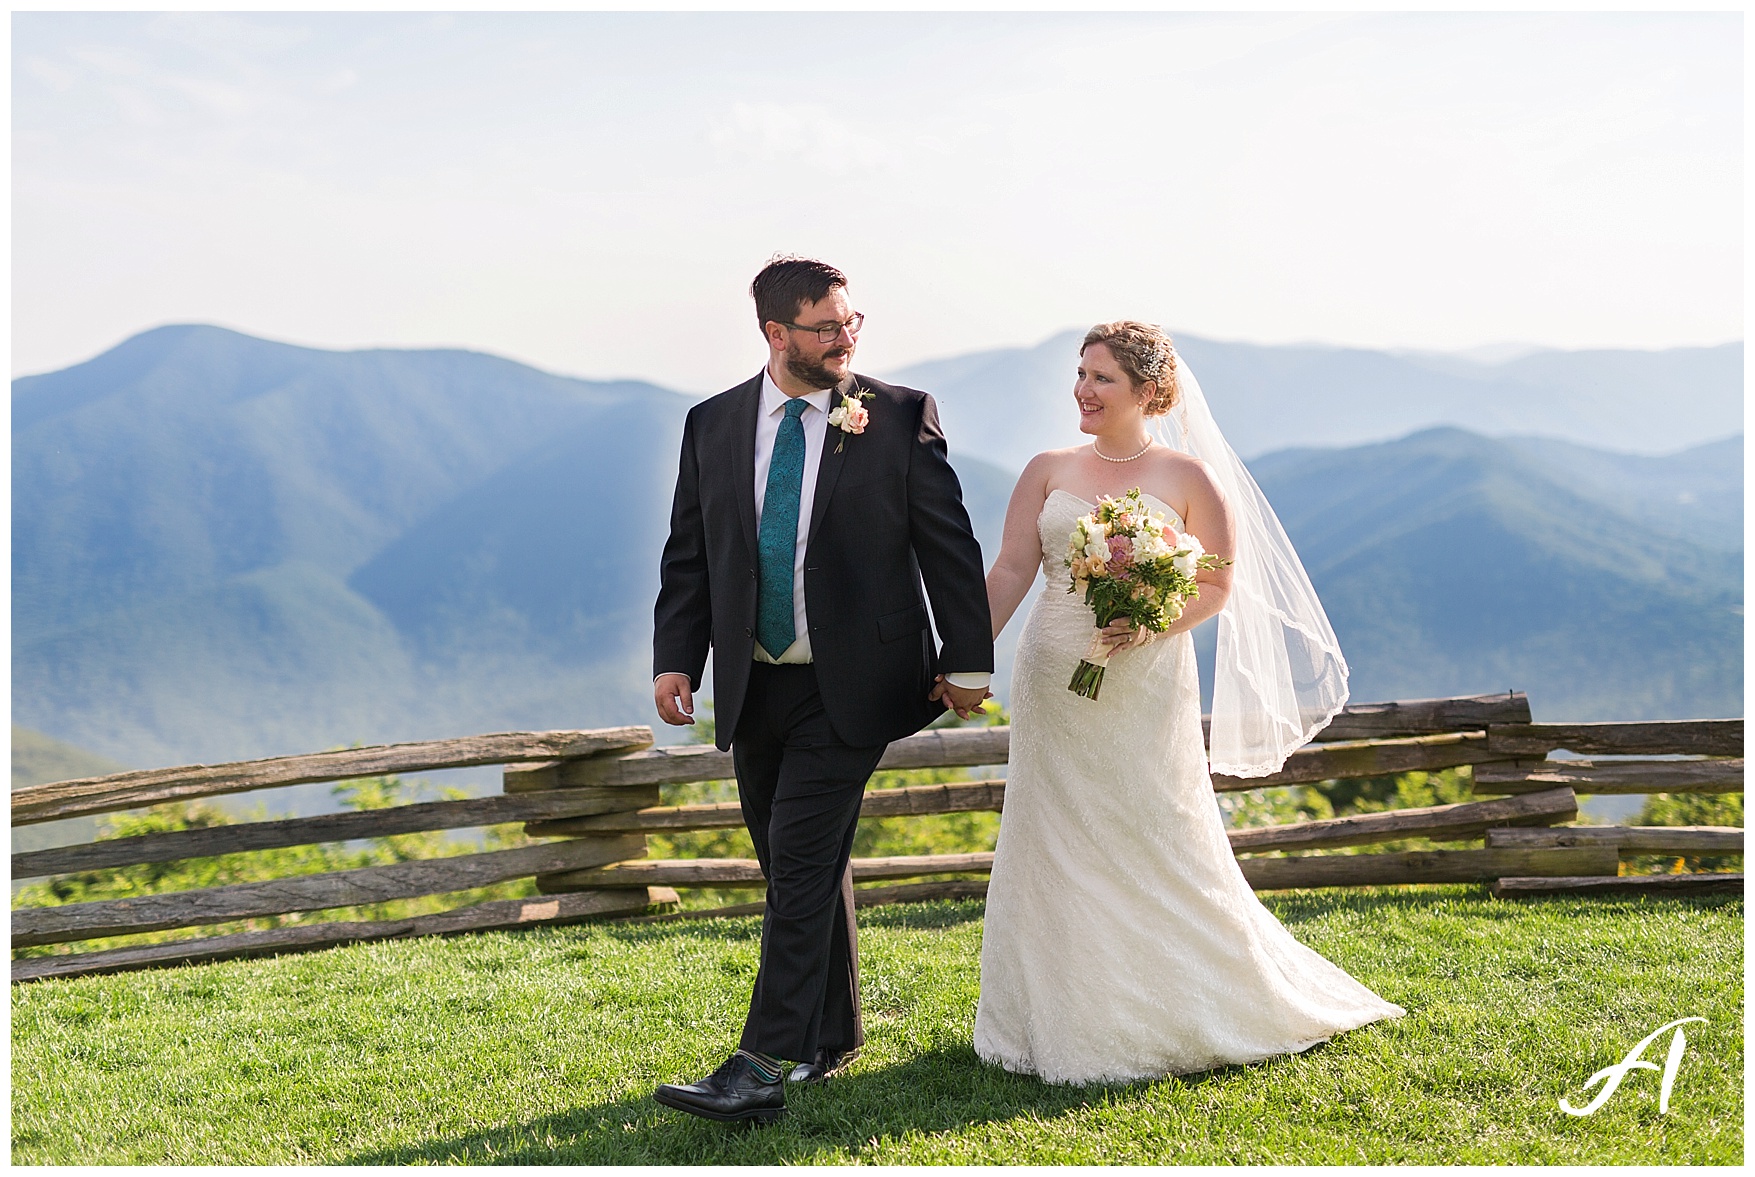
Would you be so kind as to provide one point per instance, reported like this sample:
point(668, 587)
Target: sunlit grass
point(543, 1047)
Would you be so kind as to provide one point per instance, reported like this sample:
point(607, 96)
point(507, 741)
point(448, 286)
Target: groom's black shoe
point(826, 1065)
point(736, 1091)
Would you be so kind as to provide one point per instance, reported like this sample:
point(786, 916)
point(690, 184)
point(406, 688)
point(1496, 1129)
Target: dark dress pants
point(801, 789)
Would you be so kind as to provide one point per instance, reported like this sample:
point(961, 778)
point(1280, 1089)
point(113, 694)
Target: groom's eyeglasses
point(830, 332)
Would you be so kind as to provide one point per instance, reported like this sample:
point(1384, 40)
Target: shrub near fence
point(597, 795)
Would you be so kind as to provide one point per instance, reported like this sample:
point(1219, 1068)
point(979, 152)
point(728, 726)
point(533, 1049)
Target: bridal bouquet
point(1130, 563)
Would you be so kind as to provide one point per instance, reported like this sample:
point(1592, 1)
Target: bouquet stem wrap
point(1087, 680)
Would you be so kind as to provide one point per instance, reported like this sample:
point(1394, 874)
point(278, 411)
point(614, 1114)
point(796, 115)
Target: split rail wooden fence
point(595, 795)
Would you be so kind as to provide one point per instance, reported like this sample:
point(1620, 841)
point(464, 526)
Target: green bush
point(1287, 804)
point(1688, 809)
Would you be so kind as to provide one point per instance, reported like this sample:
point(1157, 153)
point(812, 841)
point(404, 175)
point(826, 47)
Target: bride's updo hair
point(1144, 352)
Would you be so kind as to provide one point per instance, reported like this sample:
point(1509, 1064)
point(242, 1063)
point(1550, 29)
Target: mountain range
point(1008, 404)
point(1606, 586)
point(225, 547)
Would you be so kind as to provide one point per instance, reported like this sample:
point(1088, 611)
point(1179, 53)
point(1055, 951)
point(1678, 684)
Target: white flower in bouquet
point(1188, 558)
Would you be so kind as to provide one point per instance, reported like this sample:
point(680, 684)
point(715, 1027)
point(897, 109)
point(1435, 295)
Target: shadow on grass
point(1291, 907)
point(939, 1091)
point(942, 913)
point(1294, 907)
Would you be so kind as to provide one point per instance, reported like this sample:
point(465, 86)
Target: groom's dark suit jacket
point(888, 514)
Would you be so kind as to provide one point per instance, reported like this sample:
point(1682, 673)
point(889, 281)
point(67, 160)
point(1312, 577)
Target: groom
point(810, 506)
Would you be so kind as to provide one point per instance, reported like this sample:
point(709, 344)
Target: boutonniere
point(850, 416)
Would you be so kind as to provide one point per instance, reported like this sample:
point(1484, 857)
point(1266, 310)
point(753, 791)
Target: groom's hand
point(965, 701)
point(676, 703)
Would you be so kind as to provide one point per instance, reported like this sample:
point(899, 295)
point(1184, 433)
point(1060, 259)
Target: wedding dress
point(1122, 941)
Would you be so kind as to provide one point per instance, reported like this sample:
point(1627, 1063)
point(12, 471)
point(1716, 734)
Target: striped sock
point(765, 1065)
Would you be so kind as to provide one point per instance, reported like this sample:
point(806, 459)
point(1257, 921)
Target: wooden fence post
point(527, 779)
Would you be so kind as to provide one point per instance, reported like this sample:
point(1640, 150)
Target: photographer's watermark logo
point(1610, 1077)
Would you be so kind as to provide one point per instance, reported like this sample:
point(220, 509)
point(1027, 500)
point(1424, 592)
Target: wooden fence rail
point(131, 790)
point(1421, 717)
point(1628, 840)
point(1673, 737)
point(1612, 776)
point(421, 817)
point(348, 888)
point(911, 801)
point(1658, 885)
point(497, 915)
point(1440, 823)
point(599, 791)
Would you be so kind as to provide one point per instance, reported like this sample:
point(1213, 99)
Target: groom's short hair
point(787, 283)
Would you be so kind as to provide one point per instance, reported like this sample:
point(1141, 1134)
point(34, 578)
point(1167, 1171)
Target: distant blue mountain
point(36, 760)
point(1607, 586)
point(226, 547)
point(1008, 404)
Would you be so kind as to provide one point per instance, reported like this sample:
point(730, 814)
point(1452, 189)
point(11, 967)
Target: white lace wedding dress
point(1122, 941)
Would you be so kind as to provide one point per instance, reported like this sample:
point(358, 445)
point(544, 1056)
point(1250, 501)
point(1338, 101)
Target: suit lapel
point(743, 459)
point(829, 469)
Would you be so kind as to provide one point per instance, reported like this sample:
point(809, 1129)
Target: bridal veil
point(1279, 675)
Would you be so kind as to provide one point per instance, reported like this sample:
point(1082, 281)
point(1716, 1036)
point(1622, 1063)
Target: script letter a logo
point(1610, 1077)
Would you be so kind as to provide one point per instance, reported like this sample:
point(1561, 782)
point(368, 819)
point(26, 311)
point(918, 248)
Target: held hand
point(965, 701)
point(1120, 634)
point(676, 702)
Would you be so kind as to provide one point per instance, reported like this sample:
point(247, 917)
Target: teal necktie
point(778, 539)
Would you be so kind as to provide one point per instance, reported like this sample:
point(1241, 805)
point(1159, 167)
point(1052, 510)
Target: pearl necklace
point(1107, 458)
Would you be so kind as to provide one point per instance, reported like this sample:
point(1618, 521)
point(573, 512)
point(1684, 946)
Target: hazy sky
point(592, 192)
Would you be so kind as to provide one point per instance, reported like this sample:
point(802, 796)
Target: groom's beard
point(810, 372)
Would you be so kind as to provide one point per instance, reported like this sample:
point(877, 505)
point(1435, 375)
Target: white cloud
point(55, 76)
point(805, 137)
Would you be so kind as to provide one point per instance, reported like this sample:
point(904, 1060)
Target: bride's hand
point(1120, 634)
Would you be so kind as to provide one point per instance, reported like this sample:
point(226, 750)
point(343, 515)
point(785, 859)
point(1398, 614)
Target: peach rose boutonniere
point(850, 416)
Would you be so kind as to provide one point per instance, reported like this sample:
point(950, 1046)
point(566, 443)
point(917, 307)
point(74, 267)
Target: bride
point(1122, 941)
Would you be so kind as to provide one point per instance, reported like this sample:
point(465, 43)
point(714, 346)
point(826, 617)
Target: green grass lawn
point(543, 1046)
